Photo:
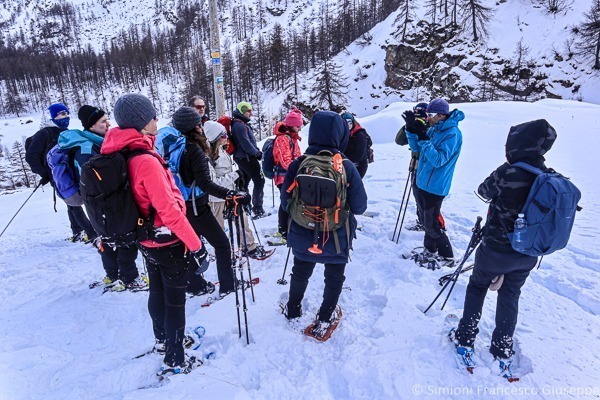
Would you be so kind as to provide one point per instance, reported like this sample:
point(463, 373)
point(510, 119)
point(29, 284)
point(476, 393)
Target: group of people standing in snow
point(176, 266)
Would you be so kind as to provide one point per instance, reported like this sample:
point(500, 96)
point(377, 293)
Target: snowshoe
point(275, 242)
point(417, 227)
point(463, 354)
point(322, 330)
point(445, 278)
point(106, 282)
point(259, 213)
point(414, 254)
point(259, 253)
point(160, 347)
point(139, 284)
point(208, 289)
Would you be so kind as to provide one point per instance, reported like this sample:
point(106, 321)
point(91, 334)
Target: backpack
point(49, 145)
point(60, 162)
point(109, 201)
point(549, 211)
point(318, 197)
point(268, 160)
point(226, 121)
point(371, 156)
point(171, 148)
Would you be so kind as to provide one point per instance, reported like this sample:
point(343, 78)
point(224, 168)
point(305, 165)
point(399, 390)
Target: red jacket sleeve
point(158, 187)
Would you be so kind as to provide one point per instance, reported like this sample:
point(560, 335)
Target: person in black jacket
point(357, 149)
point(247, 155)
point(37, 146)
point(194, 167)
point(507, 188)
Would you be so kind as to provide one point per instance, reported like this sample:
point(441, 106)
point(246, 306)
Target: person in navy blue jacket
point(247, 155)
point(328, 131)
point(439, 148)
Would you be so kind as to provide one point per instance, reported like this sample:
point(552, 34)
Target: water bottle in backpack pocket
point(548, 213)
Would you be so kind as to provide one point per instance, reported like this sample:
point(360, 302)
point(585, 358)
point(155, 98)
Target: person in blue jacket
point(247, 155)
point(328, 131)
point(439, 148)
point(119, 262)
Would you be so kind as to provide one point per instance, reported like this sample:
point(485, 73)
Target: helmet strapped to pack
point(318, 197)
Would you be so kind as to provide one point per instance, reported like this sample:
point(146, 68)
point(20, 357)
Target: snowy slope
point(61, 340)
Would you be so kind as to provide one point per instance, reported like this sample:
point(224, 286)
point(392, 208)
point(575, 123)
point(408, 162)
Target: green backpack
point(318, 197)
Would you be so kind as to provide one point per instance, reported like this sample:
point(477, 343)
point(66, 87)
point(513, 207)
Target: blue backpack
point(171, 145)
point(549, 211)
point(66, 181)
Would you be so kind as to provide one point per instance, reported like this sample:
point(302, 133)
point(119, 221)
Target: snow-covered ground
point(61, 340)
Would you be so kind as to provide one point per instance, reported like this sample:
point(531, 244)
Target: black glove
point(200, 256)
point(415, 125)
point(43, 181)
point(259, 155)
point(242, 198)
point(240, 182)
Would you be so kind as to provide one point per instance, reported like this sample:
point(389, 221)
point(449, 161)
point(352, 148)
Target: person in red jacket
point(173, 244)
point(286, 149)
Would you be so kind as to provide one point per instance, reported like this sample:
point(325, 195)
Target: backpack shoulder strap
point(528, 168)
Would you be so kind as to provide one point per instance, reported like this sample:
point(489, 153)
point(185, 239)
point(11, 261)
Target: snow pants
point(334, 280)
point(206, 225)
point(252, 171)
point(488, 264)
point(435, 239)
point(167, 271)
point(119, 262)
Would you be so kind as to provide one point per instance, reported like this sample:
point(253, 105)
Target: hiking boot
point(159, 347)
point(108, 281)
point(259, 253)
point(79, 237)
point(417, 227)
point(504, 365)
point(466, 353)
point(186, 367)
point(207, 289)
point(292, 312)
point(139, 283)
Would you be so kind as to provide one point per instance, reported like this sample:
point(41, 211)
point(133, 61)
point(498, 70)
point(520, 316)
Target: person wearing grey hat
point(195, 169)
point(172, 247)
point(439, 148)
point(134, 111)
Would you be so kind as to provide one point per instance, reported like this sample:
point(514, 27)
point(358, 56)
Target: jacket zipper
point(430, 175)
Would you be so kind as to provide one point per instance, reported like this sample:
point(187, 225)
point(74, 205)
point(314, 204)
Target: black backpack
point(371, 155)
point(108, 199)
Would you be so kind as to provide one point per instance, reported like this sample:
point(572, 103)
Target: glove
point(259, 155)
point(200, 255)
point(415, 125)
point(43, 181)
point(240, 182)
point(242, 198)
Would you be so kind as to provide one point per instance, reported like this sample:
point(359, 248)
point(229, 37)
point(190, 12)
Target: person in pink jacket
point(173, 244)
point(286, 147)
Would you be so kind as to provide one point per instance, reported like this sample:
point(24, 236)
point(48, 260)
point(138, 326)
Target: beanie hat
point(244, 106)
point(420, 110)
point(186, 119)
point(56, 109)
point(294, 118)
point(213, 130)
point(134, 111)
point(438, 106)
point(89, 115)
point(348, 117)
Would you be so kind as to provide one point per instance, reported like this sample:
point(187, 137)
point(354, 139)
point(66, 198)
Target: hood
point(46, 122)
point(74, 137)
point(237, 114)
point(118, 139)
point(452, 121)
point(529, 141)
point(328, 130)
point(356, 127)
point(281, 129)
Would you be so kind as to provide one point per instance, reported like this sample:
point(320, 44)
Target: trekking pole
point(408, 179)
point(255, 231)
point(22, 205)
point(229, 215)
point(273, 191)
point(241, 266)
point(473, 243)
point(282, 281)
point(243, 229)
point(404, 214)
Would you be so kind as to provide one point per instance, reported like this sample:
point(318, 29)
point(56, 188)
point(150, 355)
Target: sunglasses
point(431, 115)
point(200, 107)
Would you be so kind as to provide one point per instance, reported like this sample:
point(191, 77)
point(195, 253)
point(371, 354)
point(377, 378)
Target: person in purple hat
point(439, 147)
